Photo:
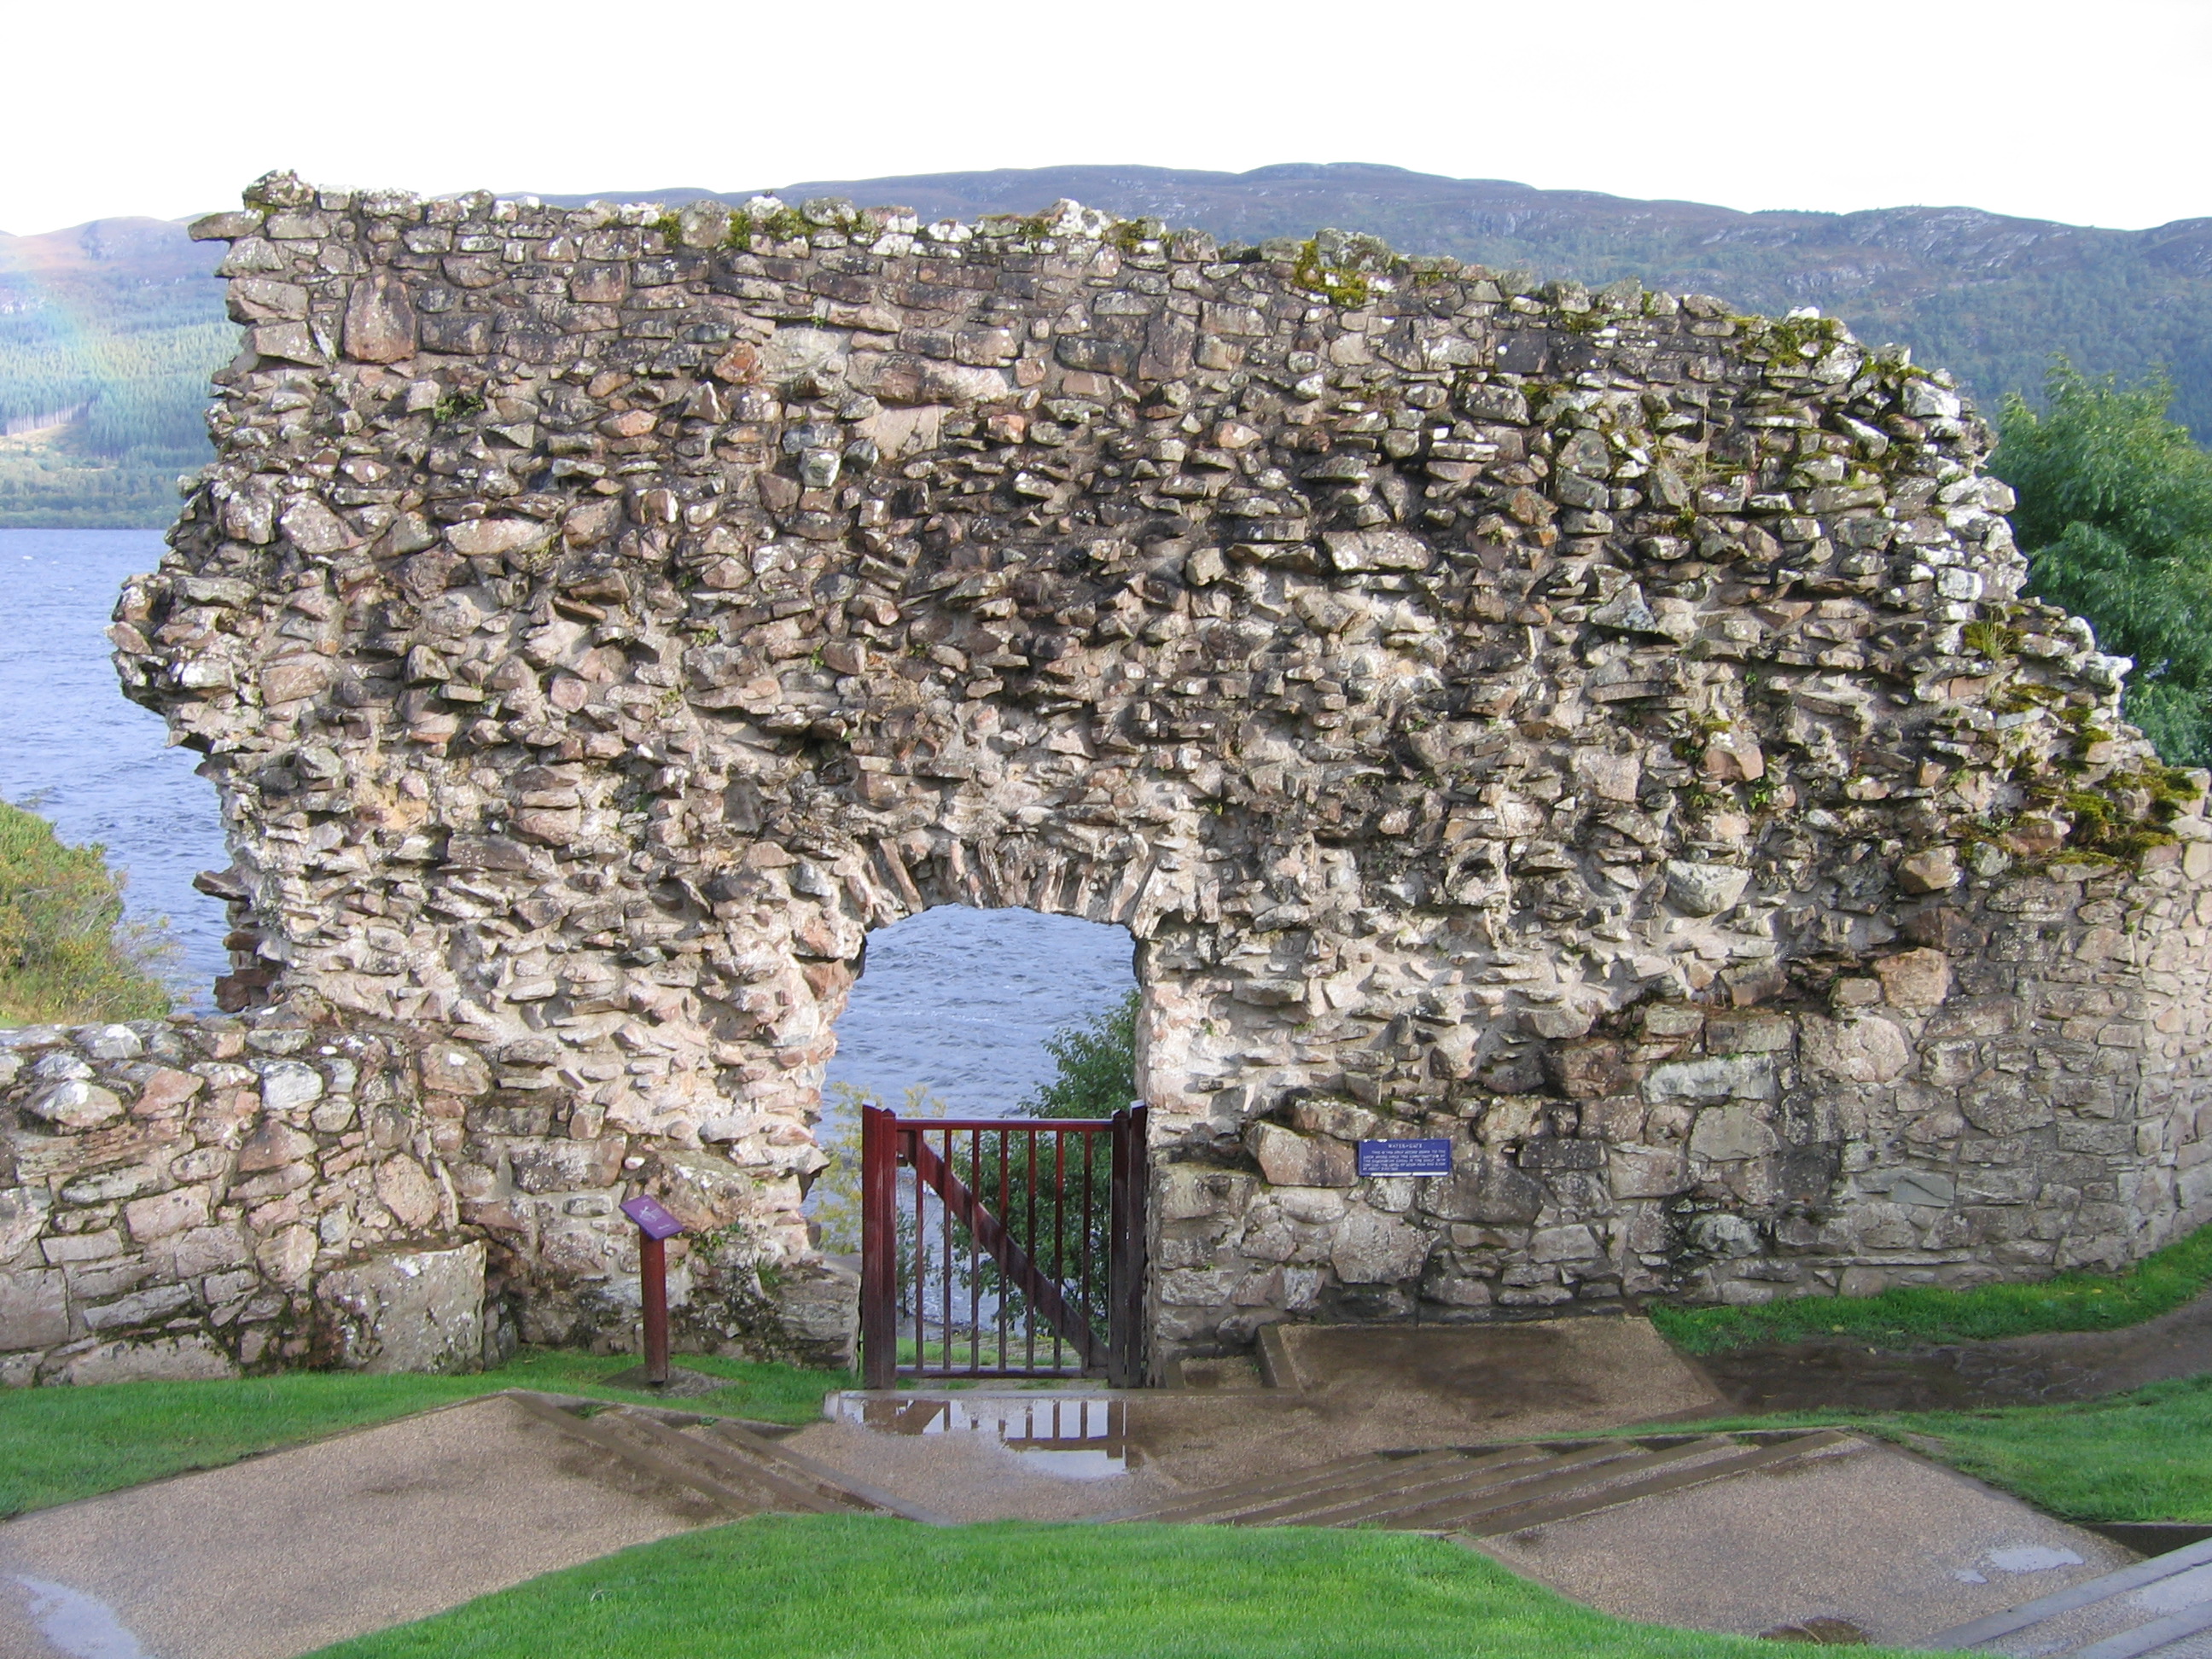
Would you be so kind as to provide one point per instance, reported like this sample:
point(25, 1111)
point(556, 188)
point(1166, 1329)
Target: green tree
point(1095, 1063)
point(2115, 516)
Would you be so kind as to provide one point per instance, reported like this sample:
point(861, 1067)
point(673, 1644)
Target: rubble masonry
point(1593, 727)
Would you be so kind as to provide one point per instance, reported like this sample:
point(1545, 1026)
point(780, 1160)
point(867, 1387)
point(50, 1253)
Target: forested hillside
point(108, 331)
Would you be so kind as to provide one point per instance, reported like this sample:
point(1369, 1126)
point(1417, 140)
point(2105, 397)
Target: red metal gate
point(1002, 1247)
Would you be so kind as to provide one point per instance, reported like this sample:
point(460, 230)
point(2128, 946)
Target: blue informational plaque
point(653, 1220)
point(1405, 1158)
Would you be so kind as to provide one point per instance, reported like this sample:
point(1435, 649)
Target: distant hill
point(111, 315)
point(108, 332)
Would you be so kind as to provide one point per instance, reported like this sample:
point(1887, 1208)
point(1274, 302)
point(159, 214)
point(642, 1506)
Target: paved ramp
point(2160, 1608)
point(280, 1555)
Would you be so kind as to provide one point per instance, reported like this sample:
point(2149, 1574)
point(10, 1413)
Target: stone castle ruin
point(1593, 728)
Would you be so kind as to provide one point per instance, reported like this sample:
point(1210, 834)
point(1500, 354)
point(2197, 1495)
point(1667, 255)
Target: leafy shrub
point(65, 952)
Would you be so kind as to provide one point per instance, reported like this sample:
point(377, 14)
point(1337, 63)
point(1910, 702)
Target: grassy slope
point(59, 1445)
point(1913, 1316)
point(2141, 1456)
point(791, 1584)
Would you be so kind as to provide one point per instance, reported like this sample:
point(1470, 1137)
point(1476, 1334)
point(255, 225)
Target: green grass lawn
point(1911, 1315)
point(58, 1445)
point(857, 1587)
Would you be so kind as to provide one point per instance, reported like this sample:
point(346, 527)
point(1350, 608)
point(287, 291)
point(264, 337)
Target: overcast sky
point(2089, 114)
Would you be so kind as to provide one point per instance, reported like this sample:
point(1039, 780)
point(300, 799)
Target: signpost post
point(655, 1228)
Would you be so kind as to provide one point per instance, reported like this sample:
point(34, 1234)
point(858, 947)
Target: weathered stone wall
point(1592, 727)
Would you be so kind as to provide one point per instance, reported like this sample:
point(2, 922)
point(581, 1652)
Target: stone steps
point(2162, 1606)
point(1484, 1491)
point(734, 1469)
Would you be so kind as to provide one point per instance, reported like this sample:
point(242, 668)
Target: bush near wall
point(65, 955)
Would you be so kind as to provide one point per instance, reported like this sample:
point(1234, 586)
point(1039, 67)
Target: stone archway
point(1594, 729)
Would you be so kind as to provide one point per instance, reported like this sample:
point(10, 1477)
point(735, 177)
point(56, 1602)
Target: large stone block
point(1373, 1248)
point(408, 1311)
point(158, 1359)
point(34, 1308)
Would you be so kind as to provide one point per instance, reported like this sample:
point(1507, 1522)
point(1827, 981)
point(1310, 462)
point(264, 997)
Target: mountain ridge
point(1991, 297)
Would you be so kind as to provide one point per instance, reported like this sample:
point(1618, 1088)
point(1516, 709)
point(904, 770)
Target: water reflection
point(1076, 1436)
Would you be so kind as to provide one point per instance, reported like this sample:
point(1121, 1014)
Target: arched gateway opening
point(1592, 734)
point(970, 1178)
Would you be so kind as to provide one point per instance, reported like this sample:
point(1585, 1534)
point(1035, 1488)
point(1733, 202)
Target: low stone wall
point(194, 1199)
point(2022, 1092)
point(1593, 728)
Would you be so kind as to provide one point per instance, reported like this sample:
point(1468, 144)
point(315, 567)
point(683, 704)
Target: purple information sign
point(1405, 1158)
point(652, 1219)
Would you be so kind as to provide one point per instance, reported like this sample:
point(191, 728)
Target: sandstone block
point(1933, 871)
point(75, 1104)
point(1730, 1133)
point(381, 324)
point(34, 1308)
point(1484, 1189)
point(1378, 1249)
point(474, 537)
point(453, 1068)
point(149, 1218)
point(409, 1193)
point(409, 1310)
point(273, 1146)
point(1718, 1076)
point(1287, 1159)
point(1915, 979)
point(1866, 1048)
point(288, 1256)
point(1703, 889)
point(286, 1085)
point(23, 1211)
point(165, 1091)
point(162, 1360)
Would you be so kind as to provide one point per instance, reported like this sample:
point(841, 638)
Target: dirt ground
point(2013, 1370)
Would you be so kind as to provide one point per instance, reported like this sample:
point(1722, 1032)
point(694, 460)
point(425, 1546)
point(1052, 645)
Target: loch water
point(957, 1001)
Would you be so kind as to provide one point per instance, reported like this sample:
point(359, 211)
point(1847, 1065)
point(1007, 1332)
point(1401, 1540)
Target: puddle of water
point(2032, 1557)
point(1076, 1437)
point(80, 1626)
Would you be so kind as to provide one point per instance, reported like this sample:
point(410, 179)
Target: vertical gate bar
point(921, 1249)
point(1059, 1228)
point(1006, 1178)
point(879, 1247)
point(1140, 1200)
point(1117, 1204)
point(1089, 1138)
point(974, 1266)
point(1125, 1285)
point(921, 1252)
point(944, 1231)
point(1029, 1323)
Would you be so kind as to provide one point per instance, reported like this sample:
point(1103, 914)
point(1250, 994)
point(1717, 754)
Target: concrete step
point(2162, 1606)
point(1483, 1491)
